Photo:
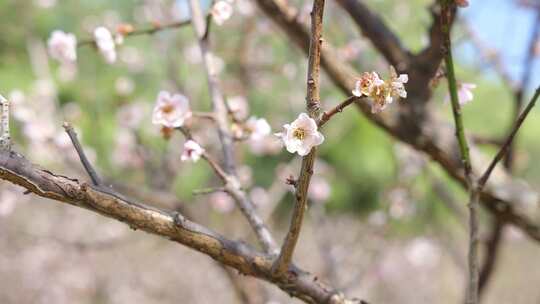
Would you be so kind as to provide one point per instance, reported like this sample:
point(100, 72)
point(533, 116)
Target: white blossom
point(257, 128)
point(221, 11)
point(171, 110)
point(239, 107)
point(105, 44)
point(63, 46)
point(301, 135)
point(465, 94)
point(192, 151)
point(398, 83)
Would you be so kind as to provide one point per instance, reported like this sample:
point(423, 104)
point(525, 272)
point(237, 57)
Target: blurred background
point(385, 224)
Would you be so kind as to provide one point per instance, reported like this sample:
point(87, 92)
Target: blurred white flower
point(245, 7)
point(221, 11)
point(124, 86)
point(267, 145)
point(319, 190)
point(171, 110)
point(45, 3)
point(239, 107)
point(63, 46)
point(221, 202)
point(105, 44)
point(192, 151)
point(301, 135)
point(465, 94)
point(422, 252)
point(258, 128)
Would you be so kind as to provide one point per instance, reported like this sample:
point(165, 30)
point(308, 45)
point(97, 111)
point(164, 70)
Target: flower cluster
point(382, 93)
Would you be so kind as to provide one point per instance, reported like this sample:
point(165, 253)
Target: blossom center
point(168, 108)
point(299, 133)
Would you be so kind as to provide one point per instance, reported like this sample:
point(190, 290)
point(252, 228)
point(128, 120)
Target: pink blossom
point(192, 151)
point(221, 11)
point(171, 110)
point(465, 94)
point(63, 46)
point(258, 128)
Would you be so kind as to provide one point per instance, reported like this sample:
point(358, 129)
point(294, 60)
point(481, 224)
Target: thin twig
point(230, 178)
point(144, 31)
point(504, 148)
point(207, 190)
point(472, 286)
point(327, 115)
point(82, 156)
point(282, 263)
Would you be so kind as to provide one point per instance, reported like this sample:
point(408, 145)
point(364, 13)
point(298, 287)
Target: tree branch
point(82, 156)
point(473, 277)
point(140, 32)
point(313, 105)
point(327, 115)
point(18, 170)
point(232, 183)
point(508, 142)
point(380, 35)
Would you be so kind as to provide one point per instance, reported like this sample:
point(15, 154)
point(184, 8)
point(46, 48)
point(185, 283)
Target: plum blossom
point(366, 84)
point(382, 93)
point(398, 83)
point(221, 11)
point(192, 151)
point(301, 135)
point(465, 94)
point(171, 110)
point(63, 46)
point(257, 128)
point(238, 106)
point(105, 44)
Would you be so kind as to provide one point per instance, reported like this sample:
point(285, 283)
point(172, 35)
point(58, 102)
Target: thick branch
point(16, 169)
point(313, 105)
point(374, 28)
